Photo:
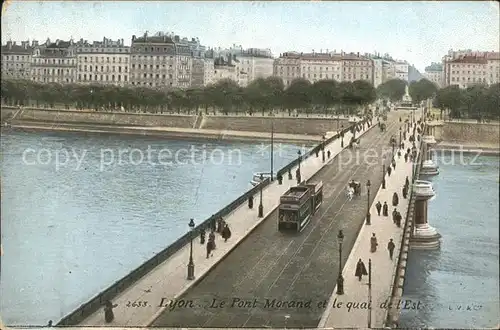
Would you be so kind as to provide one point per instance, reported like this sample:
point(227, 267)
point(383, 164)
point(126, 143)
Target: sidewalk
point(168, 280)
point(383, 267)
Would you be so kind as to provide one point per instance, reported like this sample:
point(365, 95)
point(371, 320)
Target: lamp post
point(323, 149)
point(261, 207)
point(369, 293)
point(299, 159)
point(191, 263)
point(342, 136)
point(340, 279)
point(383, 172)
point(368, 215)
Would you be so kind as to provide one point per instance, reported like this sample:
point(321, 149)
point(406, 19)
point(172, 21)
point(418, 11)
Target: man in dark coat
point(220, 224)
point(390, 247)
point(385, 210)
point(394, 215)
point(378, 206)
point(250, 202)
point(406, 158)
point(389, 170)
point(394, 164)
point(226, 233)
point(213, 223)
point(398, 219)
point(405, 191)
point(407, 182)
point(360, 270)
point(395, 199)
point(202, 235)
point(373, 243)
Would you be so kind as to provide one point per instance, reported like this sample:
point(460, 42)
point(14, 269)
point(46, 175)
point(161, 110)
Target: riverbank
point(169, 132)
point(482, 148)
point(181, 126)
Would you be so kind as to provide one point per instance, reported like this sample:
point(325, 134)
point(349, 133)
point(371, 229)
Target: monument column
point(424, 236)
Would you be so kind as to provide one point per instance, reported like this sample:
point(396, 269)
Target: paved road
point(298, 268)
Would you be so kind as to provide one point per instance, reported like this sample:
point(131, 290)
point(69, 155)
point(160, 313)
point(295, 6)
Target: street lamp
point(261, 207)
point(323, 149)
point(369, 293)
point(340, 279)
point(342, 136)
point(368, 215)
point(191, 263)
point(383, 172)
point(299, 158)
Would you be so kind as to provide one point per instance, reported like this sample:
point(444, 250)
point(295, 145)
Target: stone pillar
point(429, 167)
point(425, 236)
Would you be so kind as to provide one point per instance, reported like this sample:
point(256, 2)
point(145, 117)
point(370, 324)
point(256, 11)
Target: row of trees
point(477, 102)
point(261, 95)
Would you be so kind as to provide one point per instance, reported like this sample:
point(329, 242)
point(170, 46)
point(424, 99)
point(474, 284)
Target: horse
point(349, 193)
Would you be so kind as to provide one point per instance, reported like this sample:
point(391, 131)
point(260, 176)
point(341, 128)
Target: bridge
point(263, 278)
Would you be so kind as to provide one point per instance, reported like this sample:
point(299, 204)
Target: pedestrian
point(407, 182)
point(211, 237)
point(395, 199)
point(202, 235)
point(280, 180)
point(394, 215)
point(378, 206)
point(213, 223)
point(328, 153)
point(297, 175)
point(408, 151)
point(250, 201)
point(389, 170)
point(226, 233)
point(360, 270)
point(290, 177)
point(398, 219)
point(390, 247)
point(220, 224)
point(385, 210)
point(406, 158)
point(109, 316)
point(399, 154)
point(373, 243)
point(405, 191)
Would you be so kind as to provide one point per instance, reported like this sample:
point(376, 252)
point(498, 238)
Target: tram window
point(288, 215)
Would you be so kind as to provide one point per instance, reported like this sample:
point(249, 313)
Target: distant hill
point(414, 74)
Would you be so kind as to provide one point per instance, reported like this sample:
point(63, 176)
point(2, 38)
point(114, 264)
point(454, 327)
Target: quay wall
point(479, 135)
point(128, 280)
point(286, 125)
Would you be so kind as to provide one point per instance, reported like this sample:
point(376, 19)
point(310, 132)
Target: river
point(79, 212)
point(459, 283)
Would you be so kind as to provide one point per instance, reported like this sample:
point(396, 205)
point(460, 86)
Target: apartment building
point(288, 67)
point(225, 68)
point(466, 69)
point(356, 67)
point(321, 66)
point(434, 73)
point(54, 62)
point(160, 61)
point(103, 62)
point(401, 70)
point(16, 60)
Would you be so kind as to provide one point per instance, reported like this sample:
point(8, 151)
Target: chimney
point(133, 38)
point(9, 44)
point(358, 54)
point(177, 38)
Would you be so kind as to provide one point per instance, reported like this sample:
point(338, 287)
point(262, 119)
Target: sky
point(418, 32)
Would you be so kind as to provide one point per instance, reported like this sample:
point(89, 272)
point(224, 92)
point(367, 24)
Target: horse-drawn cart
point(356, 185)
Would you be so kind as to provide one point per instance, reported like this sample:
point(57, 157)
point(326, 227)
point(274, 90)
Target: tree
point(324, 94)
point(298, 95)
point(364, 93)
point(393, 89)
point(449, 98)
point(422, 90)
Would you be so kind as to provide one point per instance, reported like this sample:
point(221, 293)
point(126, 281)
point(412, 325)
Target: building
point(16, 60)
point(288, 67)
point(224, 68)
point(105, 62)
point(321, 66)
point(160, 61)
point(356, 67)
point(54, 62)
point(401, 70)
point(198, 72)
point(467, 68)
point(434, 73)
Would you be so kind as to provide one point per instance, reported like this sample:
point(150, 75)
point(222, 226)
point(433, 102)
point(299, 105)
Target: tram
point(297, 206)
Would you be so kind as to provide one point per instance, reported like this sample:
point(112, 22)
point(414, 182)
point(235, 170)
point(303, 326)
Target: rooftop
point(470, 59)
